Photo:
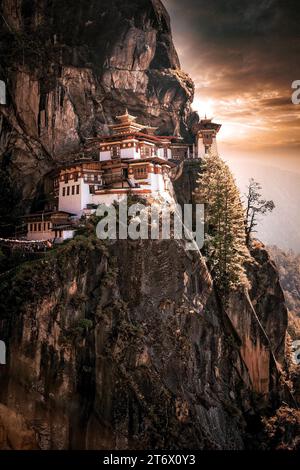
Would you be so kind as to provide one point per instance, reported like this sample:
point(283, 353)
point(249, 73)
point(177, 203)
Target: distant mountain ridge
point(288, 266)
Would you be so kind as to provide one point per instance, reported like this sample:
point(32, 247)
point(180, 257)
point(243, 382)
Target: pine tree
point(255, 206)
point(225, 246)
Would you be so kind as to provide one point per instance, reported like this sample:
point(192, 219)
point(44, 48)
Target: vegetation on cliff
point(34, 280)
point(225, 246)
point(282, 430)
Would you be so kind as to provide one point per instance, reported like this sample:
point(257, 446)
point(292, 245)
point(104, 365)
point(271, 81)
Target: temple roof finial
point(126, 117)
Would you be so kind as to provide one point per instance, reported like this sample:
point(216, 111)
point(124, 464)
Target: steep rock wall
point(128, 347)
point(71, 67)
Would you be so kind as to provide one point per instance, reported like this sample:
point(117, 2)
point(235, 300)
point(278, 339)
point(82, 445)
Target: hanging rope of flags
point(26, 244)
point(16, 241)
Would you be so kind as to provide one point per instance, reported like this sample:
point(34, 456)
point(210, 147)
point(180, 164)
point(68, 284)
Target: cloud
point(243, 58)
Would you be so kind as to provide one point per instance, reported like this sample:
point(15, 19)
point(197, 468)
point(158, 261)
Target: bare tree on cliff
point(225, 246)
point(255, 206)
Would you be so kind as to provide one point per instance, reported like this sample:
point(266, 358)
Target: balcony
point(110, 179)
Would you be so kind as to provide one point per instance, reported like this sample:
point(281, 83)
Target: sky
point(243, 57)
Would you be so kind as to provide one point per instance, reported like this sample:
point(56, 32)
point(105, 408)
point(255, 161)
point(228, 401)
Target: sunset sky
point(243, 57)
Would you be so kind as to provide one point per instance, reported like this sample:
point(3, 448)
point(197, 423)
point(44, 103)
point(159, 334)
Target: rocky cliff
point(128, 346)
point(71, 67)
point(121, 346)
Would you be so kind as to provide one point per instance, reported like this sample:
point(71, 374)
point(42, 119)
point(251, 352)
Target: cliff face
point(124, 346)
point(71, 67)
point(128, 346)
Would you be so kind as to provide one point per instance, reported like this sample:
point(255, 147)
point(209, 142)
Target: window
point(39, 227)
point(77, 189)
point(88, 178)
point(92, 189)
point(68, 191)
point(145, 151)
point(34, 227)
point(115, 152)
point(64, 191)
point(30, 227)
point(140, 172)
point(73, 190)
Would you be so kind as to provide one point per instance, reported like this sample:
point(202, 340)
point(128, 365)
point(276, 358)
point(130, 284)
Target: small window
point(73, 190)
point(115, 152)
point(145, 151)
point(30, 227)
point(68, 191)
point(34, 227)
point(77, 189)
point(64, 192)
point(40, 227)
